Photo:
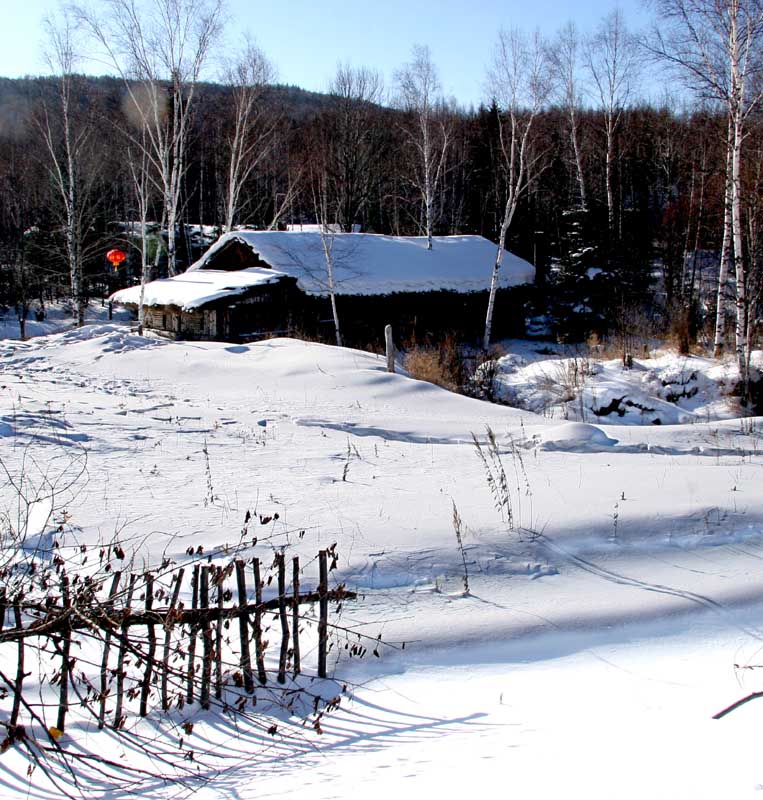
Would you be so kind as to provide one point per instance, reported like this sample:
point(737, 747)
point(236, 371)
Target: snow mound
point(579, 437)
point(109, 338)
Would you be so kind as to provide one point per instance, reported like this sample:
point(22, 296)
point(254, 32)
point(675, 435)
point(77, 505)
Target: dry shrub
point(680, 334)
point(441, 364)
point(602, 348)
point(424, 364)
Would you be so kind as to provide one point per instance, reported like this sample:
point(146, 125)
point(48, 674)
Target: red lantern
point(115, 258)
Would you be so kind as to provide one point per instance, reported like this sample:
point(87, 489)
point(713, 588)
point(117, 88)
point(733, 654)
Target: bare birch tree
point(565, 58)
point(328, 235)
point(142, 184)
point(611, 58)
point(159, 49)
point(251, 135)
point(324, 208)
point(429, 134)
point(718, 46)
point(520, 81)
point(66, 142)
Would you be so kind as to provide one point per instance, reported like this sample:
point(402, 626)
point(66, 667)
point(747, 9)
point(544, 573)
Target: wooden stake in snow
point(105, 659)
point(390, 348)
point(3, 607)
point(123, 642)
point(243, 627)
point(150, 655)
point(206, 638)
point(295, 617)
point(63, 703)
point(323, 611)
point(258, 647)
point(192, 636)
point(169, 623)
point(220, 580)
point(18, 689)
point(281, 565)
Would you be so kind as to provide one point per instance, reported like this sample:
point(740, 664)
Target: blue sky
point(306, 39)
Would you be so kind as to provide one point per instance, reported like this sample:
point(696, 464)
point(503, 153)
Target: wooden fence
point(169, 653)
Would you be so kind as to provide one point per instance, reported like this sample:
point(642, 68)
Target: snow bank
point(667, 389)
point(578, 436)
point(58, 317)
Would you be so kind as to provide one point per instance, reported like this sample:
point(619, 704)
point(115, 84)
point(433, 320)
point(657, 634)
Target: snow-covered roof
point(312, 227)
point(370, 264)
point(191, 290)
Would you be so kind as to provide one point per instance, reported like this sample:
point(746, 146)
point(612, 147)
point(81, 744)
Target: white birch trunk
point(739, 267)
point(143, 271)
point(578, 157)
point(723, 272)
point(327, 240)
point(508, 213)
point(608, 178)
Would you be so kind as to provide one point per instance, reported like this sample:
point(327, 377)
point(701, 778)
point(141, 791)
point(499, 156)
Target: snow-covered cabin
point(251, 284)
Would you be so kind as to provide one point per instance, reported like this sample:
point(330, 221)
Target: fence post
point(324, 612)
point(281, 565)
point(206, 638)
point(105, 659)
point(389, 346)
point(63, 702)
point(258, 648)
point(243, 628)
point(219, 635)
point(123, 641)
point(193, 630)
point(169, 624)
point(18, 686)
point(151, 654)
point(295, 617)
point(3, 607)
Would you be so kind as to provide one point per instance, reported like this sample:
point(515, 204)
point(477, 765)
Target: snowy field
point(601, 631)
point(58, 317)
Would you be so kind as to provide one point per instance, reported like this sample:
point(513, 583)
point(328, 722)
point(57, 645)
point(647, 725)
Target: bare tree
point(352, 120)
point(718, 46)
point(159, 50)
point(429, 133)
point(565, 58)
point(612, 60)
point(66, 142)
point(520, 81)
point(251, 135)
point(138, 162)
point(15, 220)
point(324, 206)
point(328, 236)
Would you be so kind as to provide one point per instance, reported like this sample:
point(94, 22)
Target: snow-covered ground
point(599, 636)
point(58, 317)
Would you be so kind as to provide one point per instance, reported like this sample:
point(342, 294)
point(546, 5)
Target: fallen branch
point(735, 706)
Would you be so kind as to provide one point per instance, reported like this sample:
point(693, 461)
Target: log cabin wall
point(415, 316)
point(282, 309)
